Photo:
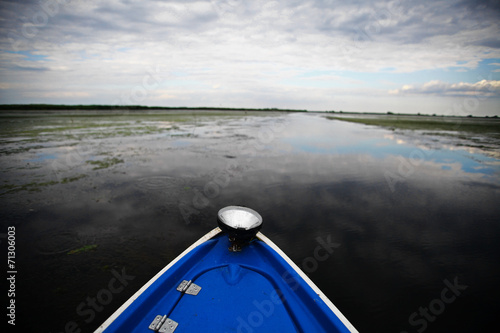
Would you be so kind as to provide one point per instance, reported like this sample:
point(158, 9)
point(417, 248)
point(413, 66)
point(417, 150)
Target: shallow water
point(407, 213)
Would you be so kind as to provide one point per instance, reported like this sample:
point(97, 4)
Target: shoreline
point(62, 107)
point(138, 108)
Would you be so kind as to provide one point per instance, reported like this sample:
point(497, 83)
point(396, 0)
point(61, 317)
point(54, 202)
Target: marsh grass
point(105, 163)
point(72, 179)
point(36, 186)
point(82, 249)
point(30, 187)
point(35, 127)
point(489, 127)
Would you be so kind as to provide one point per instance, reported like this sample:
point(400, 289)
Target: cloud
point(68, 94)
point(346, 34)
point(254, 51)
point(495, 64)
point(487, 88)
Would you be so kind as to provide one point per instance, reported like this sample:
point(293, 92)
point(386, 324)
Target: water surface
point(407, 213)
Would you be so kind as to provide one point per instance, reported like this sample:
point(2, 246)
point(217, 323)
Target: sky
point(426, 56)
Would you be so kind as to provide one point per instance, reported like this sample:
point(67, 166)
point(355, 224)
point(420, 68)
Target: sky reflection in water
point(340, 140)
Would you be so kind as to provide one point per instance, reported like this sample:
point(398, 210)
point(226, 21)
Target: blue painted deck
point(254, 290)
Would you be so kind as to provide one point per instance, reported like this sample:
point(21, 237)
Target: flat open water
point(102, 201)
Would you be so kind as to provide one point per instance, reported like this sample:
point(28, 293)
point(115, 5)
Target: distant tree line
point(127, 107)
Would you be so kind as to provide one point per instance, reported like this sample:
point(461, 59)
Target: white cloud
point(486, 88)
point(66, 94)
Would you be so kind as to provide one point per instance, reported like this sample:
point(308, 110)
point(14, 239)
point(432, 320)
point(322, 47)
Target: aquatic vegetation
point(85, 248)
point(36, 186)
point(468, 132)
point(455, 124)
point(72, 179)
point(30, 187)
point(18, 150)
point(105, 163)
point(37, 126)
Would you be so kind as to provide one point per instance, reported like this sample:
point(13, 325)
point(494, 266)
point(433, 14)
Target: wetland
point(409, 201)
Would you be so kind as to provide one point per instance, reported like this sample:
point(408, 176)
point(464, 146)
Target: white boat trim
point(318, 291)
point(125, 305)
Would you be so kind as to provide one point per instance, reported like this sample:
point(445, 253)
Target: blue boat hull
point(257, 289)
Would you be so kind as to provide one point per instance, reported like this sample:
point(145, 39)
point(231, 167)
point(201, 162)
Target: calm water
point(412, 218)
